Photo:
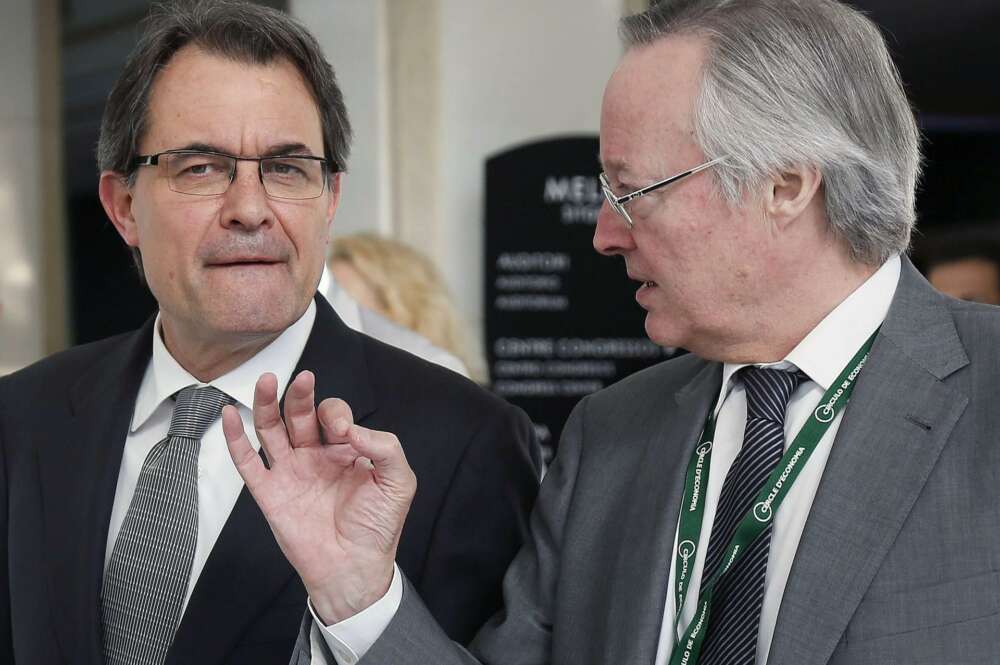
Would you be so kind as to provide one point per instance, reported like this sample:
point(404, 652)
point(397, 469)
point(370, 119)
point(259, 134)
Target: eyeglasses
point(205, 173)
point(618, 202)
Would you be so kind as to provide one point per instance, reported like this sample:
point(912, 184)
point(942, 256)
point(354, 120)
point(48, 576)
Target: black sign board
point(561, 320)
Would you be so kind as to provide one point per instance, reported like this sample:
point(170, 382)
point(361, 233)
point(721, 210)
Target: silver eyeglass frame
point(618, 202)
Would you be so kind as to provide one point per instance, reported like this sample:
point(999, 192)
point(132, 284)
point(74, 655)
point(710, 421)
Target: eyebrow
point(281, 149)
point(203, 147)
point(287, 149)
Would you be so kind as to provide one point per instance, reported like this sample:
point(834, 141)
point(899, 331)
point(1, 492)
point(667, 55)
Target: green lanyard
point(756, 519)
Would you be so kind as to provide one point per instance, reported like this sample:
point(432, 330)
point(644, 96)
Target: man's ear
point(117, 201)
point(331, 208)
point(789, 193)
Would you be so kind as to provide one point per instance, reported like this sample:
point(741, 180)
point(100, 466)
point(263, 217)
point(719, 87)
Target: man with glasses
point(816, 482)
point(128, 535)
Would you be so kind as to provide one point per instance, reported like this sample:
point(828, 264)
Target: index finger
point(387, 457)
point(247, 461)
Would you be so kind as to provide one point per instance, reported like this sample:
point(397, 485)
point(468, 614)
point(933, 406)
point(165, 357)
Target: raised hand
point(336, 494)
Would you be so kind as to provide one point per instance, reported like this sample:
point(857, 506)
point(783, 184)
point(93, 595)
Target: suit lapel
point(243, 573)
point(335, 353)
point(78, 470)
point(246, 570)
point(643, 567)
point(891, 436)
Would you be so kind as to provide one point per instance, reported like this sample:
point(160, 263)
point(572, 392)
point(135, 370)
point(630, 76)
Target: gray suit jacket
point(899, 559)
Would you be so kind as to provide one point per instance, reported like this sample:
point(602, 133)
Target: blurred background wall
point(33, 314)
point(433, 87)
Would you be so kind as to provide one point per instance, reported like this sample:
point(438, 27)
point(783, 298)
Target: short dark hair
point(239, 30)
point(958, 243)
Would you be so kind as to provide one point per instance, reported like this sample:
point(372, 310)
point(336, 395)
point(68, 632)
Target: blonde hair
point(409, 290)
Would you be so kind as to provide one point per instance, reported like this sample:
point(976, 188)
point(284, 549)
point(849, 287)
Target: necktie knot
point(768, 391)
point(195, 410)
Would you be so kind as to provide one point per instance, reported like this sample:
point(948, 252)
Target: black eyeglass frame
point(618, 202)
point(329, 168)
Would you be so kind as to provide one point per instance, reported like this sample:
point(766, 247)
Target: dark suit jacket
point(63, 424)
point(899, 561)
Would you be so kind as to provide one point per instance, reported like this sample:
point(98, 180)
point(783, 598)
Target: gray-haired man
point(126, 534)
point(725, 508)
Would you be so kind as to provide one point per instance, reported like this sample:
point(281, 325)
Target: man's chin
point(659, 332)
point(256, 314)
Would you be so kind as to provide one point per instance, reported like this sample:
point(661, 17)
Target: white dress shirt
point(822, 355)
point(219, 483)
point(346, 307)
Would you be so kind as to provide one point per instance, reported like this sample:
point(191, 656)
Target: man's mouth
point(643, 283)
point(248, 261)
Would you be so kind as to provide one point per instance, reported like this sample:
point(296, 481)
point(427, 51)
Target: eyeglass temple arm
point(663, 183)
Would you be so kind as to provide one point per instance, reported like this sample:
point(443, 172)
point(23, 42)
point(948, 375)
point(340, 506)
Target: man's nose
point(611, 234)
point(246, 203)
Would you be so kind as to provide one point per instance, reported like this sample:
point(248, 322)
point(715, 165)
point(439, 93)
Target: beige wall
point(32, 263)
point(434, 87)
point(353, 36)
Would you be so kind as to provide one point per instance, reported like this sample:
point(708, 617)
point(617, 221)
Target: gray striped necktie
point(734, 621)
point(150, 566)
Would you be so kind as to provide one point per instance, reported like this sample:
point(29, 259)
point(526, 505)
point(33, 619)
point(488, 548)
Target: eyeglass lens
point(613, 200)
point(207, 174)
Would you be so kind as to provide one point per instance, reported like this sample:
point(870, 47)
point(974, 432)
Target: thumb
point(386, 454)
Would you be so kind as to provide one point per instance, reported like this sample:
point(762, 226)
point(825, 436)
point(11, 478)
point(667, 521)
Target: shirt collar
point(828, 347)
point(165, 376)
point(346, 307)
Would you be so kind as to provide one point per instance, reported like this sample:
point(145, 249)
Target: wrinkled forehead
point(649, 100)
point(203, 97)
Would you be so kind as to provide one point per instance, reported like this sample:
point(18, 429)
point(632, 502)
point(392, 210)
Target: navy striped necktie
point(147, 576)
point(731, 638)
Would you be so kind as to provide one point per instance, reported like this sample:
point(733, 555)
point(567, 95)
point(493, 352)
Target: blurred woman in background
point(403, 285)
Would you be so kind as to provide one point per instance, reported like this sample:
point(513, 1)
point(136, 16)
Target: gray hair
point(238, 30)
point(802, 82)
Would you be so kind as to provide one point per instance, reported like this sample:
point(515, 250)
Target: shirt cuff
point(349, 640)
